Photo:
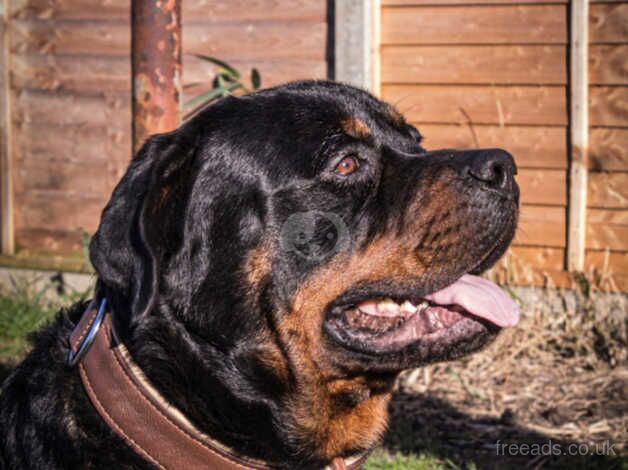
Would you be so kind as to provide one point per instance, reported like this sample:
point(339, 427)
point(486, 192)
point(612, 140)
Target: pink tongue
point(480, 297)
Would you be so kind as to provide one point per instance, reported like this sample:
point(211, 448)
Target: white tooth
point(423, 305)
point(388, 306)
point(369, 307)
point(408, 307)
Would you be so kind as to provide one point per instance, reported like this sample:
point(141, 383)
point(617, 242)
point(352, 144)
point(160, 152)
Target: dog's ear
point(138, 227)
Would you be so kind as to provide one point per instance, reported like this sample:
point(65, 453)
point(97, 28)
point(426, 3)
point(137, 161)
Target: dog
point(264, 273)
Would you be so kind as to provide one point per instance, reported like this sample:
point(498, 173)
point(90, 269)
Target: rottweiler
point(270, 268)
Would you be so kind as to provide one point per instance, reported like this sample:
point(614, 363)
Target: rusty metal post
point(156, 67)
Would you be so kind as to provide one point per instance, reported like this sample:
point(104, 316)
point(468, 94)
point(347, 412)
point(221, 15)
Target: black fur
point(170, 250)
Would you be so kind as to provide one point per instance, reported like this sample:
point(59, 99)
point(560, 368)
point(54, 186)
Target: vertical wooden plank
point(579, 130)
point(376, 47)
point(7, 243)
point(357, 26)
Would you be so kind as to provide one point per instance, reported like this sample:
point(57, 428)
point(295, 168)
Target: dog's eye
point(347, 166)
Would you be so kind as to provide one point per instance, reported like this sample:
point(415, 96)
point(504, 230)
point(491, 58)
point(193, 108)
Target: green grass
point(24, 310)
point(383, 460)
point(21, 313)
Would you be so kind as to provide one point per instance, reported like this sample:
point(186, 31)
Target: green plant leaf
point(212, 94)
point(223, 65)
point(256, 79)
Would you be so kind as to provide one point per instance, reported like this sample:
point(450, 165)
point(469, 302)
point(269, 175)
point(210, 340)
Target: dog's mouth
point(449, 322)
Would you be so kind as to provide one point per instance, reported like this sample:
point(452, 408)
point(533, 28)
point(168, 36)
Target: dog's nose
point(494, 168)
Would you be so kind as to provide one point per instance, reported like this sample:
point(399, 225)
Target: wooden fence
point(467, 73)
point(496, 73)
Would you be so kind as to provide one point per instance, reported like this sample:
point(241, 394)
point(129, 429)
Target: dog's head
point(301, 241)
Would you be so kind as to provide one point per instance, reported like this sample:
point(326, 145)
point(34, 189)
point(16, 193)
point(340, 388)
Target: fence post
point(7, 235)
point(357, 42)
point(579, 134)
point(156, 67)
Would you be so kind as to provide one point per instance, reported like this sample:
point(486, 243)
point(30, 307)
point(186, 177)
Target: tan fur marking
point(334, 427)
point(258, 265)
point(355, 128)
point(396, 117)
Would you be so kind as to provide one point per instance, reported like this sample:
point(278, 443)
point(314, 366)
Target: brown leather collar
point(137, 412)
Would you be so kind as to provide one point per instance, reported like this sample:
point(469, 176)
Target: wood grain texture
point(608, 216)
point(193, 10)
point(273, 72)
point(57, 242)
point(608, 23)
point(605, 236)
point(50, 210)
point(608, 190)
point(109, 111)
point(98, 145)
point(508, 65)
point(470, 2)
point(255, 40)
point(67, 158)
point(477, 25)
point(608, 106)
point(606, 261)
point(535, 258)
point(37, 173)
point(71, 9)
point(479, 104)
point(532, 147)
point(259, 41)
point(90, 74)
point(608, 65)
point(68, 37)
point(211, 11)
point(94, 75)
point(608, 149)
point(541, 267)
point(543, 187)
point(578, 132)
point(7, 207)
point(541, 226)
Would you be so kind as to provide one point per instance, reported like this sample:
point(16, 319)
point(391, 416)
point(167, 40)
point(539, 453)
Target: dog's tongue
point(480, 297)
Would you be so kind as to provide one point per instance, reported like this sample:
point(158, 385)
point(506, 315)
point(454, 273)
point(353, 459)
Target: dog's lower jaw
point(341, 418)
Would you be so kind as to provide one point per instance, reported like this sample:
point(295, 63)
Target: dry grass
point(561, 375)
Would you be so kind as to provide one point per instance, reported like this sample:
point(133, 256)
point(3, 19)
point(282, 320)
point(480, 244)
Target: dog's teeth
point(408, 307)
point(423, 305)
point(369, 307)
point(388, 307)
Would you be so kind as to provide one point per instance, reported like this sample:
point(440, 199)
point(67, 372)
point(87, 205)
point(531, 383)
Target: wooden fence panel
point(532, 146)
point(608, 149)
point(484, 25)
point(608, 106)
point(541, 226)
point(608, 65)
point(500, 105)
point(491, 73)
point(608, 190)
point(607, 216)
point(608, 23)
point(480, 65)
point(71, 81)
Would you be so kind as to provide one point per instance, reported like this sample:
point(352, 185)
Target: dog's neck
point(252, 400)
point(111, 377)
